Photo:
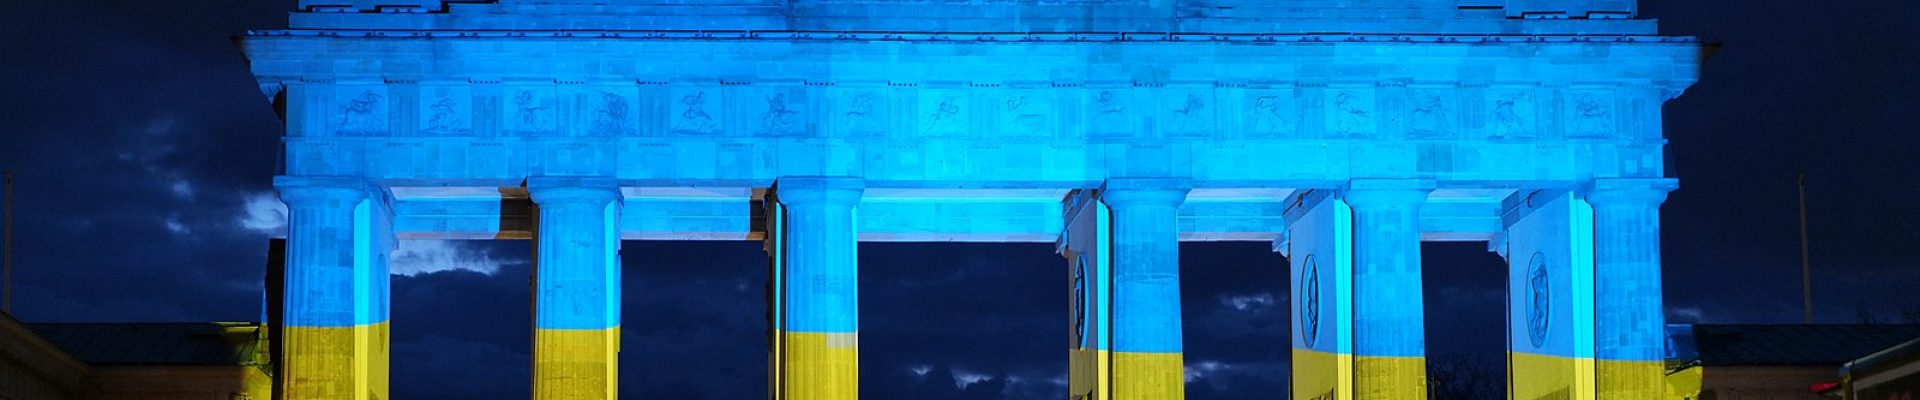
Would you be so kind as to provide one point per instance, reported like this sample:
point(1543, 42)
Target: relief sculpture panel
point(859, 112)
point(1027, 113)
point(529, 110)
point(360, 110)
point(1186, 112)
point(1430, 114)
point(943, 112)
point(1350, 113)
point(1589, 114)
point(1108, 112)
point(604, 110)
point(446, 110)
point(694, 110)
point(1271, 113)
point(1511, 114)
point(777, 111)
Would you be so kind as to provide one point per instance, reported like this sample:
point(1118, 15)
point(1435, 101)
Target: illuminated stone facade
point(1344, 132)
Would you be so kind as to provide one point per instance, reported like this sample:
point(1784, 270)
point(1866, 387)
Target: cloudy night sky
point(145, 152)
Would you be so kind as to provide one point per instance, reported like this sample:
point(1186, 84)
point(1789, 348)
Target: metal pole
point(1806, 265)
point(6, 271)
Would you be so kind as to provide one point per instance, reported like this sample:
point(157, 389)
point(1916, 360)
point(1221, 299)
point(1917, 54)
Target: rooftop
point(195, 343)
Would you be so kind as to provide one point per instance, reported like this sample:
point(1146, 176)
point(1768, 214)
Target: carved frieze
point(1108, 112)
point(360, 110)
point(1511, 113)
point(1589, 114)
point(603, 110)
point(858, 112)
point(529, 110)
point(1027, 113)
point(981, 111)
point(695, 110)
point(1351, 113)
point(776, 111)
point(445, 110)
point(943, 112)
point(1430, 113)
point(1271, 113)
point(1186, 112)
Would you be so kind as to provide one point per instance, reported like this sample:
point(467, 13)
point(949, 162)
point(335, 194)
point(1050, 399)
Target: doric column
point(1389, 339)
point(816, 297)
point(1147, 362)
point(1629, 330)
point(576, 317)
point(338, 238)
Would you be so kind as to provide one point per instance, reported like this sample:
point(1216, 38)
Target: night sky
point(145, 153)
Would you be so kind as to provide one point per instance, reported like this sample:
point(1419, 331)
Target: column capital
point(551, 191)
point(1122, 192)
point(1381, 193)
point(819, 190)
point(306, 190)
point(1629, 192)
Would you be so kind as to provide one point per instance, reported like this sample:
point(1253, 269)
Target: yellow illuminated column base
point(576, 363)
point(821, 366)
point(1539, 376)
point(1624, 380)
point(1316, 375)
point(336, 362)
point(1148, 376)
point(1390, 378)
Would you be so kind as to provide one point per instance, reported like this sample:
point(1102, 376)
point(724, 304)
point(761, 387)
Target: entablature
point(1289, 16)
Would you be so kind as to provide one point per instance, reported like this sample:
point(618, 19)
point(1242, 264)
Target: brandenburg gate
point(1343, 132)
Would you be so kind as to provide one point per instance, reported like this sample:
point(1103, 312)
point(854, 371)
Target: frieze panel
point(360, 110)
point(858, 112)
point(695, 110)
point(943, 113)
point(1590, 114)
point(1511, 113)
point(1351, 113)
point(529, 110)
point(1108, 112)
point(445, 110)
point(776, 111)
point(1027, 113)
point(1430, 114)
point(1271, 113)
point(603, 110)
point(1186, 113)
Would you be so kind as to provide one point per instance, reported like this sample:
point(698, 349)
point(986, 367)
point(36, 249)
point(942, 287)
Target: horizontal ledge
point(992, 37)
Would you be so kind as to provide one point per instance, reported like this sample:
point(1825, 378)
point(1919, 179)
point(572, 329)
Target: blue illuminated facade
point(1345, 133)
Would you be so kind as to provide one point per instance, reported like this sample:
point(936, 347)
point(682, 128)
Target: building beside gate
point(144, 361)
point(1344, 133)
point(1770, 362)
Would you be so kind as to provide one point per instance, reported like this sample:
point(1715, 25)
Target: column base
point(1617, 379)
point(1389, 378)
point(1317, 375)
point(820, 366)
point(336, 362)
point(1146, 376)
point(576, 363)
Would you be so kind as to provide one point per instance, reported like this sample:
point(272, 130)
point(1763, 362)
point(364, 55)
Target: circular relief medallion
point(1309, 301)
point(1080, 301)
point(1539, 297)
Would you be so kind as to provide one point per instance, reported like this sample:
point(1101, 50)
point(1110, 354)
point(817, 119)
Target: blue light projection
point(1114, 128)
